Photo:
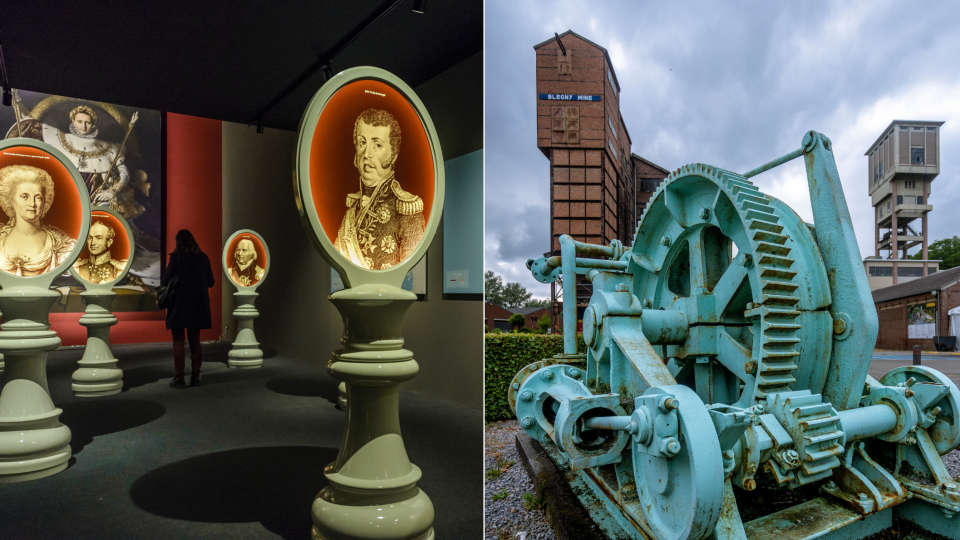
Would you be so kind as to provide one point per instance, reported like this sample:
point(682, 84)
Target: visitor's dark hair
point(186, 243)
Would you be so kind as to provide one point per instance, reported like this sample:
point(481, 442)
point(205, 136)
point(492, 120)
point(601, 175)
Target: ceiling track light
point(327, 72)
point(419, 6)
point(259, 125)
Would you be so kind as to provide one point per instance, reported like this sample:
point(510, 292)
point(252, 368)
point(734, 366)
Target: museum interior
point(221, 90)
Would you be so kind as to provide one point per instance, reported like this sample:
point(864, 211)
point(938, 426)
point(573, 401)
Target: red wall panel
point(194, 201)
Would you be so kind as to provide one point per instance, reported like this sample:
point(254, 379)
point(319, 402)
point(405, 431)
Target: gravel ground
point(507, 519)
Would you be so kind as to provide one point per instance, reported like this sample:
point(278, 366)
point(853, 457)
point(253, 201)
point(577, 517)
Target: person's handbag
point(167, 293)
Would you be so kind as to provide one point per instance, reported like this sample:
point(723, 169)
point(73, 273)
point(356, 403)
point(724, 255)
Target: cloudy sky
point(732, 84)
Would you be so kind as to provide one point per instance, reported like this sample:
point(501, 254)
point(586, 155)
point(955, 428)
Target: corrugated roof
point(922, 285)
point(523, 310)
point(648, 162)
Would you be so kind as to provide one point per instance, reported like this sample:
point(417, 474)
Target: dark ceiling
point(224, 60)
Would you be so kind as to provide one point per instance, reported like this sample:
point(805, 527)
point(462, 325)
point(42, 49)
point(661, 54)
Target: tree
point(538, 302)
point(517, 320)
point(946, 249)
point(544, 323)
point(509, 295)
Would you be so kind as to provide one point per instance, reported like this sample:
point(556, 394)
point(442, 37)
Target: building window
point(899, 199)
point(904, 128)
point(909, 271)
point(910, 184)
point(610, 78)
point(876, 174)
point(888, 205)
point(918, 129)
point(931, 271)
point(916, 156)
point(880, 167)
point(613, 129)
point(612, 149)
point(881, 271)
point(931, 129)
point(919, 199)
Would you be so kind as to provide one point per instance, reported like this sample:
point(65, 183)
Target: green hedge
point(507, 354)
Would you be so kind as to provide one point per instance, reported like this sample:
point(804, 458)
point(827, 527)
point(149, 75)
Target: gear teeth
point(813, 425)
point(778, 292)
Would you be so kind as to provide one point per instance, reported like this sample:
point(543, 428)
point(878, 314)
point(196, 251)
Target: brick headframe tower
point(902, 164)
point(598, 187)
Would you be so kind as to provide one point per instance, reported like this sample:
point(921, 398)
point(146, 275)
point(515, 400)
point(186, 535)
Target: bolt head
point(669, 447)
point(704, 213)
point(547, 375)
point(527, 422)
point(749, 484)
point(526, 396)
point(665, 241)
point(839, 326)
point(573, 373)
point(516, 386)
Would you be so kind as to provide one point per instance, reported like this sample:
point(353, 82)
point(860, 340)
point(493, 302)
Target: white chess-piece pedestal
point(245, 352)
point(33, 442)
point(372, 490)
point(98, 374)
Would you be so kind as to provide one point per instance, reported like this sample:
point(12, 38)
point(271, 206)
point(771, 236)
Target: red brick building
point(495, 316)
point(598, 186)
point(894, 304)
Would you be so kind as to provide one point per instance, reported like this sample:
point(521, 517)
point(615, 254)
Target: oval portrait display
point(43, 215)
point(245, 259)
point(107, 251)
point(371, 169)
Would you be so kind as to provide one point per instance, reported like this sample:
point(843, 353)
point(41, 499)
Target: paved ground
point(946, 363)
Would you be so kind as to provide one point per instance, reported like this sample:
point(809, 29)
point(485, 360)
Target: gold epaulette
point(352, 199)
point(408, 204)
point(118, 263)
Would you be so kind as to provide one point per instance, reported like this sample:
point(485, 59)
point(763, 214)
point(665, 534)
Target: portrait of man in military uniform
point(100, 266)
point(245, 271)
point(383, 223)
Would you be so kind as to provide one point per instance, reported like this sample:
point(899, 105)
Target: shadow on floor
point(271, 485)
point(306, 385)
point(89, 419)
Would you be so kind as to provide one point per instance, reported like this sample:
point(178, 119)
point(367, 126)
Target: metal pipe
point(777, 162)
point(600, 264)
point(616, 423)
point(585, 264)
point(867, 422)
point(568, 254)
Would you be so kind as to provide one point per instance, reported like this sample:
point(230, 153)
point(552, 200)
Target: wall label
point(569, 97)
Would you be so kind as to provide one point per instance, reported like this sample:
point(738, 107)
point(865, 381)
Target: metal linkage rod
point(598, 264)
point(777, 162)
point(616, 423)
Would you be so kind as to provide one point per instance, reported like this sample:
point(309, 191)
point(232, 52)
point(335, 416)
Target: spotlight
point(419, 6)
point(327, 72)
point(259, 125)
point(7, 96)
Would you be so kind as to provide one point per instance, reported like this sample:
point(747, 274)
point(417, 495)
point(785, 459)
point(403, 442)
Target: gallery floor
point(241, 456)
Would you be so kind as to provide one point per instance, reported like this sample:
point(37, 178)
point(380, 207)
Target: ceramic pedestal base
point(98, 374)
point(372, 491)
point(33, 442)
point(245, 352)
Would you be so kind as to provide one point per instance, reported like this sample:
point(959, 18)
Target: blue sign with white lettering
point(569, 97)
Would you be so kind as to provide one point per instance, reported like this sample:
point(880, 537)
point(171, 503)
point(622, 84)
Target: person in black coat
point(191, 304)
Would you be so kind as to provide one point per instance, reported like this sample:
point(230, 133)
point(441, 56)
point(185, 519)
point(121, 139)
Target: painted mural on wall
point(921, 321)
point(42, 215)
point(118, 152)
point(372, 174)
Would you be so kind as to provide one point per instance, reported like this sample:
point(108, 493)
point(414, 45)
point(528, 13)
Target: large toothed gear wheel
point(749, 305)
